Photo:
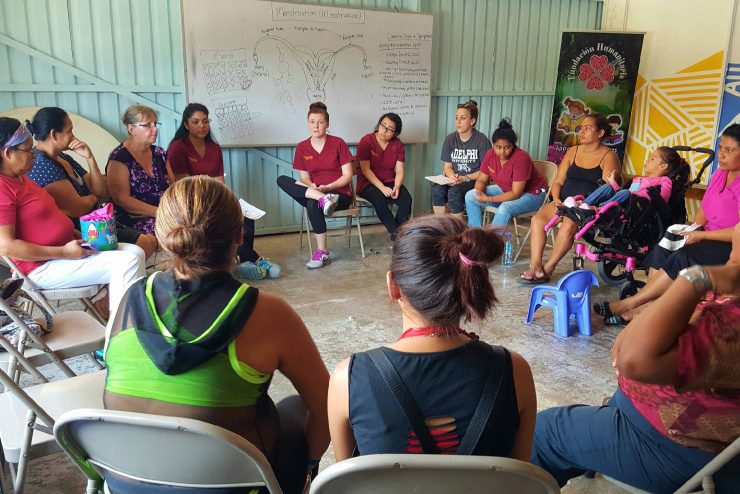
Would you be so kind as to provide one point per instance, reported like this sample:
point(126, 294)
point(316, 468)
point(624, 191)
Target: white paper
point(250, 211)
point(439, 179)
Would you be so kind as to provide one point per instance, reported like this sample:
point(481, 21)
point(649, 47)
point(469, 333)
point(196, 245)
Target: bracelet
point(467, 178)
point(698, 277)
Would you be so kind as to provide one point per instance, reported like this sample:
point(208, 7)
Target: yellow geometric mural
point(681, 109)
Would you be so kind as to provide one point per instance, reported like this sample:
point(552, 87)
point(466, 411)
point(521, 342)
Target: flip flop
point(615, 321)
point(534, 281)
point(602, 309)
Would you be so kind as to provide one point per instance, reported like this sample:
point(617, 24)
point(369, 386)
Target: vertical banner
point(597, 73)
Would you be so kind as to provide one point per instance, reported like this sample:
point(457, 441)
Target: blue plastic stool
point(570, 298)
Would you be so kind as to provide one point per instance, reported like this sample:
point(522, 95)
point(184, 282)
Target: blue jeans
point(619, 442)
point(606, 193)
point(506, 210)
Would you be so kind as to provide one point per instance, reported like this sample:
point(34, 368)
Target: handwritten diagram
point(234, 118)
point(317, 65)
point(225, 70)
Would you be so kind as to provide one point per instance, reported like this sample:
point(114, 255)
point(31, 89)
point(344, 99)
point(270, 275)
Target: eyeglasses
point(387, 129)
point(150, 125)
point(29, 151)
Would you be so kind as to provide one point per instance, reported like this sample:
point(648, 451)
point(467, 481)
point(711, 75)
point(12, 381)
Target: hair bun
point(317, 105)
point(187, 241)
point(505, 123)
point(30, 127)
point(472, 102)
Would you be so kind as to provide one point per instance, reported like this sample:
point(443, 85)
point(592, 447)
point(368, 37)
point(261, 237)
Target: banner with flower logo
point(597, 73)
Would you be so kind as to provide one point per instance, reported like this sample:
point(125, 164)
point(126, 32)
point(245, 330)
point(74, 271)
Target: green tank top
point(152, 355)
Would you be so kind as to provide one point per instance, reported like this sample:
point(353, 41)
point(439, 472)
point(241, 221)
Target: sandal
point(615, 321)
point(534, 280)
point(602, 309)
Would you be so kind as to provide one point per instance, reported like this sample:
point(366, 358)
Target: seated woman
point(517, 185)
point(324, 165)
point(579, 173)
point(194, 152)
point(438, 276)
point(678, 400)
point(462, 153)
point(194, 342)
point(41, 239)
point(380, 181)
point(75, 190)
point(138, 171)
point(718, 215)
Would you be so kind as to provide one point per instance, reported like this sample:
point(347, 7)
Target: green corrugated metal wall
point(502, 53)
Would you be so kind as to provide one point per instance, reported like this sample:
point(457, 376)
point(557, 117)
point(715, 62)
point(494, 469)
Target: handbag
point(416, 419)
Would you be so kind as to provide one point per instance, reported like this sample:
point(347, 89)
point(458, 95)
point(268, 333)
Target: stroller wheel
point(612, 272)
point(630, 288)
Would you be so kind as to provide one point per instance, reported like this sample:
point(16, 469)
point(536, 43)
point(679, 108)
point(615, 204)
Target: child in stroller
point(659, 170)
point(621, 235)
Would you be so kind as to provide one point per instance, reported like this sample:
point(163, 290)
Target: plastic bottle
point(508, 258)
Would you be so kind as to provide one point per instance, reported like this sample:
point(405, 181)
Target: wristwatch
point(698, 277)
point(467, 178)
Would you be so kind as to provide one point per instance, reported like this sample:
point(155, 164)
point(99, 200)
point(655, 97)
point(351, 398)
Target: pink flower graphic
point(596, 72)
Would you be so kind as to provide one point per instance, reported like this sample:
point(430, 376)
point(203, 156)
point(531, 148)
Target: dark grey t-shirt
point(467, 156)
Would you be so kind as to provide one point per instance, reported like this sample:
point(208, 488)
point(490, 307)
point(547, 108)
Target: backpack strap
point(487, 401)
point(404, 399)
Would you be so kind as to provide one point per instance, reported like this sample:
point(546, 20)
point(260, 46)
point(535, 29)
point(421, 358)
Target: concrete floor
point(346, 308)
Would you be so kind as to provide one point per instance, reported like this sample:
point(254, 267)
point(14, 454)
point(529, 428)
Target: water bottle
point(508, 250)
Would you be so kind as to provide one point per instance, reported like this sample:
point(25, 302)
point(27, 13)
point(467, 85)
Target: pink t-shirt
point(640, 186)
point(720, 203)
point(382, 161)
point(36, 217)
point(325, 167)
point(518, 168)
point(704, 412)
point(184, 159)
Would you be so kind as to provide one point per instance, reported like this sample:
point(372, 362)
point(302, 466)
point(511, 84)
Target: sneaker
point(569, 202)
point(249, 271)
point(328, 203)
point(319, 259)
point(273, 269)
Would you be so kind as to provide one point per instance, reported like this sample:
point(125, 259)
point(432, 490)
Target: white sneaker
point(329, 203)
point(319, 259)
point(569, 202)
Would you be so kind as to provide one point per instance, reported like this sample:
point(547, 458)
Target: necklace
point(432, 331)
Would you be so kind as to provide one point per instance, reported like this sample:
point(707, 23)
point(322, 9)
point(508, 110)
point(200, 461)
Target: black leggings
point(705, 253)
point(246, 250)
point(382, 205)
point(315, 213)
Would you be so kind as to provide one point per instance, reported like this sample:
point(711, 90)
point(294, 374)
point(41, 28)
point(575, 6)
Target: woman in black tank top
point(438, 276)
point(579, 172)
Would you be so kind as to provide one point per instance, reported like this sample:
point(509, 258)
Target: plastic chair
point(22, 436)
point(547, 169)
point(82, 293)
point(392, 473)
point(161, 450)
point(570, 297)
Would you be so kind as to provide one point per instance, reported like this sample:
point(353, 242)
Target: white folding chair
point(22, 436)
point(74, 333)
point(393, 473)
point(161, 450)
point(547, 169)
point(81, 293)
point(353, 212)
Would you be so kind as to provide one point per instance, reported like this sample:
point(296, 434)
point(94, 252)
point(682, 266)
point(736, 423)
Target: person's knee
point(147, 243)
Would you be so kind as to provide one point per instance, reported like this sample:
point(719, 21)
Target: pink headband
point(469, 261)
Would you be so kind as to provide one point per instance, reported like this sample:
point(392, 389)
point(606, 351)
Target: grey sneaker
point(319, 259)
point(329, 203)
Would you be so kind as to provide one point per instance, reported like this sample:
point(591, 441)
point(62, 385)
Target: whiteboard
point(258, 65)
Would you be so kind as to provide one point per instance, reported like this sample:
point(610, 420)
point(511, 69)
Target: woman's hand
point(394, 192)
point(323, 188)
point(482, 198)
point(81, 148)
point(387, 191)
point(693, 237)
point(73, 250)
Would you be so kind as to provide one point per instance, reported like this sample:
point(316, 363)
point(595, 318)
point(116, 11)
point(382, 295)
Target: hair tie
point(465, 259)
point(20, 136)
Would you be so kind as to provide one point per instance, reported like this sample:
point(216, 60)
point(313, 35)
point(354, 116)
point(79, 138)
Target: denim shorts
point(453, 196)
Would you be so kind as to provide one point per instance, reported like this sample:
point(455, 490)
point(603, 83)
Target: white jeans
point(116, 268)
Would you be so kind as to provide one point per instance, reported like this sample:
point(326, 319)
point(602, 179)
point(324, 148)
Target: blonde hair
point(136, 113)
point(198, 220)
